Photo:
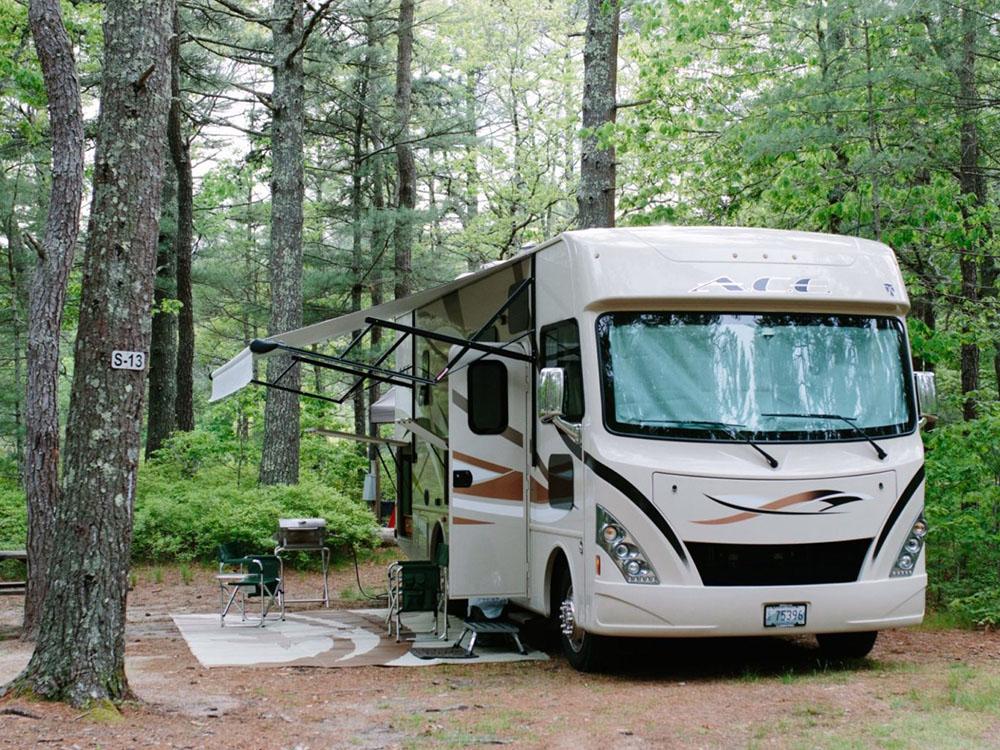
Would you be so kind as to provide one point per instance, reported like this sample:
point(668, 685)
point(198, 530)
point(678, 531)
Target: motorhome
point(657, 431)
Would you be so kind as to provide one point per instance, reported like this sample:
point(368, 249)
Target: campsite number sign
point(121, 360)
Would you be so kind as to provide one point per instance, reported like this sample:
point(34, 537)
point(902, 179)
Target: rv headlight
point(627, 555)
point(906, 561)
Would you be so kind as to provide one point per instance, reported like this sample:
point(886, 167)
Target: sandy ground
point(921, 688)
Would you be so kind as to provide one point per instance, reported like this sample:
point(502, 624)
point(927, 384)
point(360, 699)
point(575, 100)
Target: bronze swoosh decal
point(833, 497)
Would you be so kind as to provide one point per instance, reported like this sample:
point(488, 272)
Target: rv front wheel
point(582, 649)
point(846, 645)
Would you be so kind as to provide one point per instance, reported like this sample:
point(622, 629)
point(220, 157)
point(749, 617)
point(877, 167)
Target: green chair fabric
point(419, 586)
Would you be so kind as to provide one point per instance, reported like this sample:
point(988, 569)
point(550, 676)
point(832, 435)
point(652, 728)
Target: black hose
point(357, 572)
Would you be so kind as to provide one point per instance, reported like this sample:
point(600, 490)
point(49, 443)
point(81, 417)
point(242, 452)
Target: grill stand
point(324, 556)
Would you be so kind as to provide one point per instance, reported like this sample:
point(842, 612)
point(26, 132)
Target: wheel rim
point(571, 630)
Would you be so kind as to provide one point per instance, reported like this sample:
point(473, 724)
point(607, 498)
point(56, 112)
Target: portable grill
point(301, 533)
point(304, 535)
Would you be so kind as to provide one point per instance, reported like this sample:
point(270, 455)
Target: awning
point(238, 372)
point(393, 405)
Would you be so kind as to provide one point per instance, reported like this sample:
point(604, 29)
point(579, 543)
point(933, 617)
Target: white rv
point(658, 432)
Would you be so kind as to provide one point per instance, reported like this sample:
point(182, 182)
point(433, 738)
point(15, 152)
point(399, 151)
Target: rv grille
point(778, 564)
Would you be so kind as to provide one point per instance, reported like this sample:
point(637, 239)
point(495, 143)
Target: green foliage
point(963, 510)
point(195, 494)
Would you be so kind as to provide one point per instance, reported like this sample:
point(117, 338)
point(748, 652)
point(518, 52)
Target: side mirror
point(926, 388)
point(551, 386)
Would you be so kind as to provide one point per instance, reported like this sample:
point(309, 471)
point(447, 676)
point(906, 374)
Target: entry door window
point(487, 397)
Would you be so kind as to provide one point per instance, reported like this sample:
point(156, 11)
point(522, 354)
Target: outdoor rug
point(327, 638)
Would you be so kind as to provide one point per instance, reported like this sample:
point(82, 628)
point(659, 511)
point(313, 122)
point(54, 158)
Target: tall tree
point(973, 188)
point(47, 295)
point(406, 169)
point(596, 197)
point(180, 155)
point(80, 650)
point(279, 462)
point(161, 417)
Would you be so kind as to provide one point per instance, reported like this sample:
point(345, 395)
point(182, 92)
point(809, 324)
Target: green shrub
point(191, 497)
point(963, 510)
point(13, 526)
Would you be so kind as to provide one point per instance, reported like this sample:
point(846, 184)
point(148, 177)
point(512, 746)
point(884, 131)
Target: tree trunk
point(161, 417)
point(596, 194)
point(180, 155)
point(279, 463)
point(974, 189)
point(406, 190)
point(80, 648)
point(357, 228)
point(47, 295)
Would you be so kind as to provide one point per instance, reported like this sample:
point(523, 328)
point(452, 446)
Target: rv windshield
point(679, 375)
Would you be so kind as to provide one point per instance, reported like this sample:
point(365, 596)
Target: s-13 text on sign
point(128, 360)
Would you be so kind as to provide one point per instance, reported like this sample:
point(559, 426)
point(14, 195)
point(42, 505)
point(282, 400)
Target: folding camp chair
point(230, 556)
point(419, 586)
point(260, 577)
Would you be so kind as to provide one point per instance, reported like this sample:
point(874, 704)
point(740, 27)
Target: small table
point(13, 587)
point(224, 579)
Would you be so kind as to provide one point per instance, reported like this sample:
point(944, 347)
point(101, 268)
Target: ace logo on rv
point(766, 284)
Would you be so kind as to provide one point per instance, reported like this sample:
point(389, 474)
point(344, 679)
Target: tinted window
point(767, 376)
point(561, 348)
point(487, 398)
point(561, 480)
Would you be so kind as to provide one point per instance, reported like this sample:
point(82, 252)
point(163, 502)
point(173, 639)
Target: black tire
point(846, 645)
point(584, 651)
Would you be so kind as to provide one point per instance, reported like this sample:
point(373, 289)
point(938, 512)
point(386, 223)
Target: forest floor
point(929, 687)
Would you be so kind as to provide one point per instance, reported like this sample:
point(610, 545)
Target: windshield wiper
point(849, 420)
point(730, 429)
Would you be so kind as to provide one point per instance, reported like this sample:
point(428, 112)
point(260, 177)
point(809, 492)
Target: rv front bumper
point(662, 611)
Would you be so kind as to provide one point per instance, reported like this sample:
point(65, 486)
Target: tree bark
point(973, 187)
point(406, 170)
point(180, 155)
point(357, 225)
point(47, 295)
point(279, 462)
point(79, 655)
point(596, 194)
point(161, 417)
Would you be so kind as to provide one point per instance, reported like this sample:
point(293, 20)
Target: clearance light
point(910, 552)
point(629, 558)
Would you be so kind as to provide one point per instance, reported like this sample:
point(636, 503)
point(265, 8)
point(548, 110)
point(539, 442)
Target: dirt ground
point(929, 687)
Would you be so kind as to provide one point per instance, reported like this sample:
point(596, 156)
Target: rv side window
point(487, 398)
point(561, 348)
point(404, 486)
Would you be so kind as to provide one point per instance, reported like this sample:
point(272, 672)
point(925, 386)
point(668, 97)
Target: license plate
point(784, 615)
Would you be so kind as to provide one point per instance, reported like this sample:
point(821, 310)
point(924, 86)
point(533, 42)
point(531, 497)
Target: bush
point(13, 526)
point(963, 510)
point(191, 497)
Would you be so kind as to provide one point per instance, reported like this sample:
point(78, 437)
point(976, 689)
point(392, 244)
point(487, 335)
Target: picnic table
point(13, 587)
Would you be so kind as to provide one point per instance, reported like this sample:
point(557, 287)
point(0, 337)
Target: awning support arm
point(369, 376)
point(258, 346)
point(483, 328)
point(432, 335)
point(382, 358)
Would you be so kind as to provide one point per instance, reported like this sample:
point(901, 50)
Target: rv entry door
point(488, 405)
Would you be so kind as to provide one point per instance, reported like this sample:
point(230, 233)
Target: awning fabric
point(384, 411)
point(238, 372)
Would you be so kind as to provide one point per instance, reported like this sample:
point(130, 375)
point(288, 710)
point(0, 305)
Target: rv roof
point(676, 243)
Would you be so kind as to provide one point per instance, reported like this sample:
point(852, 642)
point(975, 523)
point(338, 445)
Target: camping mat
point(324, 638)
